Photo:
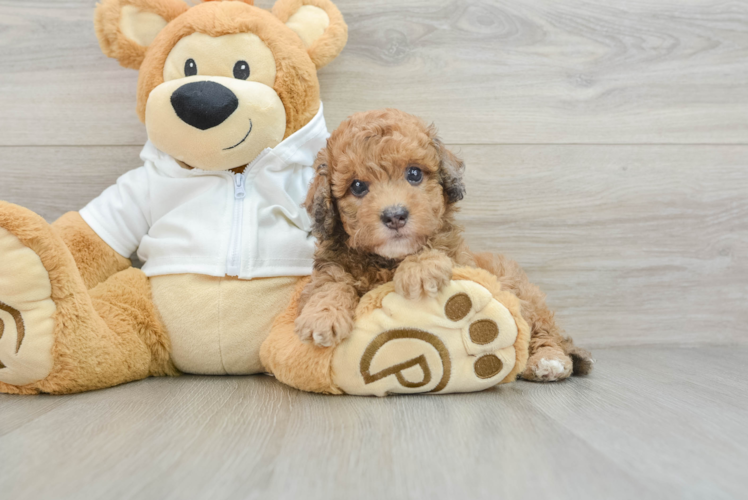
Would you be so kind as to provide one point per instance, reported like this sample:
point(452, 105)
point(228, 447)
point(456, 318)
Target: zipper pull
point(239, 191)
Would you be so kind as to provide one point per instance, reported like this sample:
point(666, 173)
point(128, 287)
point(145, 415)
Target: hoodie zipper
point(234, 258)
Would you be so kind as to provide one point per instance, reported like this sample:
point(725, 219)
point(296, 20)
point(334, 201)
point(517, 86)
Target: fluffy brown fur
point(356, 251)
point(304, 366)
point(95, 259)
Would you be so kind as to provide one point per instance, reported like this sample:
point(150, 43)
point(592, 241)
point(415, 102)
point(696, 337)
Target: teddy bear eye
point(359, 188)
point(414, 175)
point(241, 70)
point(190, 68)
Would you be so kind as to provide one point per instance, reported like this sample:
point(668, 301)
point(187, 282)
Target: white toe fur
point(549, 369)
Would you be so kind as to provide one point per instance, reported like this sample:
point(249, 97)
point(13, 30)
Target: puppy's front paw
point(323, 326)
point(422, 278)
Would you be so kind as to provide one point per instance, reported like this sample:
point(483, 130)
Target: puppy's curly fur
point(399, 166)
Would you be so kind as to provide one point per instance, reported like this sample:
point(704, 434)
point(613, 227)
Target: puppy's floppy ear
point(125, 28)
point(318, 23)
point(319, 201)
point(451, 170)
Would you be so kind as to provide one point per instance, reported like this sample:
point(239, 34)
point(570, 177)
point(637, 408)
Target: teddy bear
point(230, 99)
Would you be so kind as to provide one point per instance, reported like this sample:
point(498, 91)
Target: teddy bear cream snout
point(214, 122)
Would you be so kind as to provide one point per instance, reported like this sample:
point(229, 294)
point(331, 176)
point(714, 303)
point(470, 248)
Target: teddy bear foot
point(27, 306)
point(466, 339)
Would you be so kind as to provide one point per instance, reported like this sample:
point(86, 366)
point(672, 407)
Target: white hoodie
point(250, 225)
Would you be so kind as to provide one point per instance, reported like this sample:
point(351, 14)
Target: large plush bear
point(229, 95)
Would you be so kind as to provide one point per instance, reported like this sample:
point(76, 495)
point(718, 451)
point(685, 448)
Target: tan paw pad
point(460, 341)
point(26, 314)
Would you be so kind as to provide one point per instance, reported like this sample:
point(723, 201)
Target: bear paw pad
point(460, 341)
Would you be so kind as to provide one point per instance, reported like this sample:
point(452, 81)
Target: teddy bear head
point(223, 80)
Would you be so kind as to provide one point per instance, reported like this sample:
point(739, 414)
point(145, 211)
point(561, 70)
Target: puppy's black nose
point(395, 217)
point(204, 105)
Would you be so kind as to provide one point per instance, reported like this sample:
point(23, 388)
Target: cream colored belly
point(217, 325)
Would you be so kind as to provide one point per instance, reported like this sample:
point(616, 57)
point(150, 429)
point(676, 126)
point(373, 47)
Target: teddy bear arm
point(96, 260)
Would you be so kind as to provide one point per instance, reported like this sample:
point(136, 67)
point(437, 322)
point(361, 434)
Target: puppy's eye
point(190, 68)
point(414, 175)
point(359, 188)
point(241, 70)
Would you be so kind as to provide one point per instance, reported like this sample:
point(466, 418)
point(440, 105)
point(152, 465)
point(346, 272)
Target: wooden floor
point(651, 422)
point(606, 144)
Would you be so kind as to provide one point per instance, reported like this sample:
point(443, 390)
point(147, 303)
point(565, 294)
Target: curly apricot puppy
point(383, 205)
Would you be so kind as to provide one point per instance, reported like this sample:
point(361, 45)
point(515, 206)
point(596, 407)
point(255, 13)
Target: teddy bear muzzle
point(214, 122)
point(205, 104)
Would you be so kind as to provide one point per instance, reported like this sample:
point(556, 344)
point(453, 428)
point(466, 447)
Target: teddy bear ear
point(318, 23)
point(125, 28)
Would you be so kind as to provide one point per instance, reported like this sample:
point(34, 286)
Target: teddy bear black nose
point(204, 104)
point(395, 217)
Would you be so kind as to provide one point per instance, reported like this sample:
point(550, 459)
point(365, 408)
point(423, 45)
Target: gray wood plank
point(54, 180)
point(664, 414)
point(634, 245)
point(489, 72)
point(646, 423)
point(25, 410)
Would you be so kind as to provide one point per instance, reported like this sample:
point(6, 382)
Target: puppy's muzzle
point(395, 217)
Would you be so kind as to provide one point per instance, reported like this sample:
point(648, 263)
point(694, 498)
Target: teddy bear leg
point(57, 338)
point(134, 343)
point(293, 362)
point(95, 259)
point(468, 338)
